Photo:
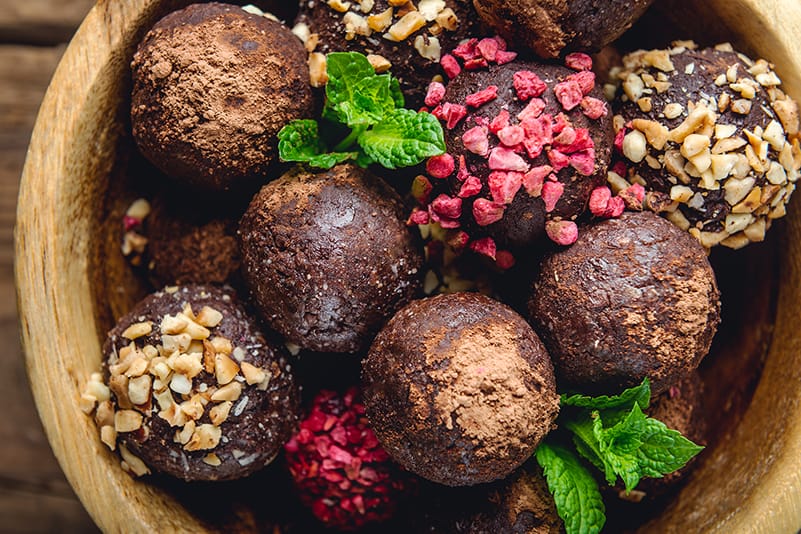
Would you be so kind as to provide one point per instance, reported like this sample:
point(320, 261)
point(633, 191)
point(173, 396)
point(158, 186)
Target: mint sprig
point(615, 436)
point(575, 492)
point(370, 106)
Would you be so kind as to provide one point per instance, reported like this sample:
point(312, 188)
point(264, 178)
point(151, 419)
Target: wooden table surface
point(34, 495)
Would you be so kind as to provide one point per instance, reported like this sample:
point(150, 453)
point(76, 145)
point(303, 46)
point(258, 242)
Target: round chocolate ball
point(406, 40)
point(634, 297)
point(529, 142)
point(551, 28)
point(192, 241)
point(459, 389)
point(212, 86)
point(328, 257)
point(712, 136)
point(198, 392)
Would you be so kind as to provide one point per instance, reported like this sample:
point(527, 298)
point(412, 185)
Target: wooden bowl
point(72, 282)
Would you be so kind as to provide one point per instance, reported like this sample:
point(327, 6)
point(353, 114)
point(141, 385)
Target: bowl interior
point(83, 172)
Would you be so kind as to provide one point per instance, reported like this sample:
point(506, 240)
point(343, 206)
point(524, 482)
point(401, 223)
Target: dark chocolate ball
point(712, 136)
point(328, 257)
point(551, 28)
point(459, 389)
point(375, 28)
point(633, 297)
point(528, 153)
point(192, 240)
point(198, 392)
point(212, 86)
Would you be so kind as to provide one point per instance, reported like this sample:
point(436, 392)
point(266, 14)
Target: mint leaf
point(640, 394)
point(404, 138)
point(396, 93)
point(575, 492)
point(300, 141)
point(664, 450)
point(584, 439)
point(618, 447)
point(345, 71)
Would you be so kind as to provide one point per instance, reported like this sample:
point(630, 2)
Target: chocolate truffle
point(197, 391)
point(328, 257)
point(212, 86)
point(191, 241)
point(527, 143)
point(633, 297)
point(712, 136)
point(550, 28)
point(407, 39)
point(459, 389)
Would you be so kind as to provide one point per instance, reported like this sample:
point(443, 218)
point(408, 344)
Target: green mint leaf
point(584, 439)
point(618, 447)
point(396, 93)
point(300, 141)
point(664, 450)
point(346, 70)
point(575, 492)
point(640, 394)
point(403, 139)
point(371, 102)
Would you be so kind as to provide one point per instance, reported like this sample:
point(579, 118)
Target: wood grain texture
point(34, 495)
point(751, 484)
point(41, 21)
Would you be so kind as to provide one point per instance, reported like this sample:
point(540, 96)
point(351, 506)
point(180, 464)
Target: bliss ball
point(459, 389)
point(407, 39)
point(212, 86)
point(339, 468)
point(527, 143)
point(552, 28)
point(634, 297)
point(328, 258)
point(197, 391)
point(711, 136)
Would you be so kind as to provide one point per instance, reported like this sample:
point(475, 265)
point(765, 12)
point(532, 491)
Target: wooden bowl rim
point(774, 506)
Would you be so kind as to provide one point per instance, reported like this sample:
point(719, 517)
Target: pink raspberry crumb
point(578, 61)
point(585, 80)
point(504, 259)
point(441, 166)
point(450, 65)
point(485, 246)
point(470, 188)
point(504, 186)
point(505, 159)
point(568, 93)
point(562, 232)
point(551, 193)
point(488, 48)
point(435, 93)
point(479, 98)
point(593, 108)
point(527, 84)
point(512, 136)
point(486, 212)
point(476, 140)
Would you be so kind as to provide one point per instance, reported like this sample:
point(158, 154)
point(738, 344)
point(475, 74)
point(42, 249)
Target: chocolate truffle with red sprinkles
point(459, 389)
point(328, 258)
point(711, 136)
point(527, 143)
point(634, 297)
point(407, 38)
point(340, 470)
point(212, 86)
point(550, 28)
point(197, 391)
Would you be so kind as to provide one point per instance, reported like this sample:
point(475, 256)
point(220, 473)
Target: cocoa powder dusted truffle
point(634, 297)
point(550, 28)
point(196, 391)
point(328, 257)
point(340, 470)
point(212, 86)
point(713, 138)
point(527, 143)
point(408, 38)
point(459, 389)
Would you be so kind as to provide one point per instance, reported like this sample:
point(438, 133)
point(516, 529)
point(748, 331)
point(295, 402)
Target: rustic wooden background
point(34, 495)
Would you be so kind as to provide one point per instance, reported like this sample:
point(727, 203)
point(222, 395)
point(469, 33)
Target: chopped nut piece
point(430, 8)
point(219, 413)
point(681, 193)
point(137, 368)
point(447, 19)
point(736, 241)
point(108, 435)
point(212, 460)
point(183, 435)
point(678, 218)
point(355, 24)
point(380, 63)
point(774, 134)
point(693, 145)
point(634, 146)
point(230, 392)
point(87, 403)
point(659, 59)
point(188, 365)
point(193, 408)
point(221, 344)
point(164, 399)
point(787, 111)
point(181, 384)
point(381, 21)
point(728, 144)
point(776, 174)
point(655, 133)
point(301, 31)
point(173, 324)
point(756, 231)
point(699, 117)
point(645, 104)
point(768, 79)
point(741, 106)
point(633, 87)
point(710, 239)
point(366, 5)
point(724, 102)
point(178, 342)
point(127, 421)
point(139, 389)
point(139, 209)
point(137, 330)
point(406, 26)
point(132, 463)
point(318, 75)
point(104, 415)
point(205, 437)
point(252, 374)
point(209, 317)
point(750, 203)
point(673, 110)
point(723, 131)
point(225, 369)
point(195, 330)
point(428, 47)
point(737, 222)
point(119, 386)
point(339, 5)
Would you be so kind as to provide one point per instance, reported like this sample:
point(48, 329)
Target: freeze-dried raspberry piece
point(479, 98)
point(486, 212)
point(568, 93)
point(528, 85)
point(578, 61)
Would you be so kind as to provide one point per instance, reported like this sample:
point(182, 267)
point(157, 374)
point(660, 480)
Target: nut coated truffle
point(633, 297)
point(459, 389)
point(212, 86)
point(328, 258)
point(551, 27)
point(713, 138)
point(527, 142)
point(408, 38)
point(197, 392)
